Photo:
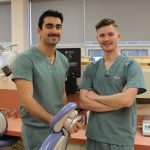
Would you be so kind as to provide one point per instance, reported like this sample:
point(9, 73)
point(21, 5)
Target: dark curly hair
point(49, 13)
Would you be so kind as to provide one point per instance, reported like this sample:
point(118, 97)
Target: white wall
point(20, 24)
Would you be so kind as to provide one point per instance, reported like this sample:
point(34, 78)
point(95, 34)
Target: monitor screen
point(74, 58)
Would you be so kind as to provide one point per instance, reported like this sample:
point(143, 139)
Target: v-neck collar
point(113, 64)
point(41, 54)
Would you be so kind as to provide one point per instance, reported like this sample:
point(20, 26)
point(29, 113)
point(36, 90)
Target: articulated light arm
point(7, 57)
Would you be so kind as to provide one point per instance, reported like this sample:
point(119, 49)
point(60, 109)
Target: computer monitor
point(74, 58)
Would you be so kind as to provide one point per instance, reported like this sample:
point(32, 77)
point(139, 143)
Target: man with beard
point(39, 74)
point(108, 89)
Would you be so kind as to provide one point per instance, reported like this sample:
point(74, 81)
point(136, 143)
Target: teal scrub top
point(48, 81)
point(118, 126)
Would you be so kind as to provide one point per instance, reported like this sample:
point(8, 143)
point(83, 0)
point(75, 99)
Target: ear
point(38, 31)
point(97, 37)
point(119, 36)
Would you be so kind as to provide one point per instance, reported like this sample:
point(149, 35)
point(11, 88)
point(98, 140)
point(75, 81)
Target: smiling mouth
point(53, 37)
point(107, 44)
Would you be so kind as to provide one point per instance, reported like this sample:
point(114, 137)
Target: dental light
point(7, 57)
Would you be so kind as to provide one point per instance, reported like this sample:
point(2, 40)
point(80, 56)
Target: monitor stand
point(71, 84)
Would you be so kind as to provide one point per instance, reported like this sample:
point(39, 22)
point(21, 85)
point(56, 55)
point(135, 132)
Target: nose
point(54, 29)
point(106, 38)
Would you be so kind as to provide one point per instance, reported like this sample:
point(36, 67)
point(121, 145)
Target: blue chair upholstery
point(57, 140)
point(5, 140)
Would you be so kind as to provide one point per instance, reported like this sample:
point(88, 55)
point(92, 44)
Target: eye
point(101, 35)
point(58, 27)
point(49, 26)
point(111, 34)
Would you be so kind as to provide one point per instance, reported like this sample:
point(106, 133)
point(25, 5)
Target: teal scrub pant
point(33, 137)
point(94, 145)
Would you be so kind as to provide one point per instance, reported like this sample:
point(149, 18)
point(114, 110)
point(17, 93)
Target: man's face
point(51, 31)
point(108, 37)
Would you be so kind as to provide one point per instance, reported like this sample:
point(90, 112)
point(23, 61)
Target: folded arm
point(91, 104)
point(116, 101)
point(100, 103)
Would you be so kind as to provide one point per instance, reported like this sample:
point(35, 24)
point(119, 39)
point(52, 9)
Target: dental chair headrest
point(59, 119)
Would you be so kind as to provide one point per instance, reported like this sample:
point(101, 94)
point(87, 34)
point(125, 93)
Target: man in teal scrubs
point(39, 74)
point(108, 89)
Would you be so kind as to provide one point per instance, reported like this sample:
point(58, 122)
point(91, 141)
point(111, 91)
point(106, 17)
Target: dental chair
point(60, 127)
point(5, 140)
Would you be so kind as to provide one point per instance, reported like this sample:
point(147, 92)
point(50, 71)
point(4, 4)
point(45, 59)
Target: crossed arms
point(90, 100)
